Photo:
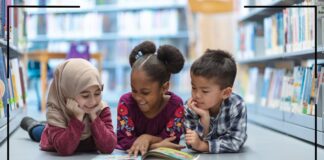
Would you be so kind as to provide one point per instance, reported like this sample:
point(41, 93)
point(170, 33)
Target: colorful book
point(158, 153)
point(4, 95)
point(171, 154)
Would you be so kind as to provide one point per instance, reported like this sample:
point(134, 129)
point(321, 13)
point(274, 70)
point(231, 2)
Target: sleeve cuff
point(213, 146)
point(200, 129)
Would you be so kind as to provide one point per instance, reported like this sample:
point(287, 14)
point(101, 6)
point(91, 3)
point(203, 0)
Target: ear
point(226, 92)
point(165, 86)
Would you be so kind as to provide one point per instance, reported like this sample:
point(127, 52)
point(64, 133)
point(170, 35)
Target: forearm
point(202, 147)
point(104, 136)
point(205, 123)
point(66, 140)
point(155, 145)
point(153, 139)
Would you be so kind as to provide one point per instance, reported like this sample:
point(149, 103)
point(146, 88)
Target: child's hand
point(141, 144)
point(192, 138)
point(74, 109)
point(193, 106)
point(168, 143)
point(93, 112)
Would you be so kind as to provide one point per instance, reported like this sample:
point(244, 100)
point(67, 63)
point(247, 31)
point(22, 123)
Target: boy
point(215, 118)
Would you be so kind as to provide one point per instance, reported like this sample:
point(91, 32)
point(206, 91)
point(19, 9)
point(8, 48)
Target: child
point(150, 116)
point(77, 119)
point(215, 117)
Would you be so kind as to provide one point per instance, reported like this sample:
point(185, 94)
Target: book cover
point(4, 88)
point(158, 153)
point(118, 156)
point(171, 154)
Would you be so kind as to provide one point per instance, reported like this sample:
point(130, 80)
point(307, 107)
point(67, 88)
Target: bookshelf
point(276, 68)
point(260, 13)
point(118, 26)
point(16, 97)
point(305, 54)
point(12, 89)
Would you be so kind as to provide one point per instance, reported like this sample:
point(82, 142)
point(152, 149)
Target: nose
point(137, 98)
point(195, 95)
point(92, 101)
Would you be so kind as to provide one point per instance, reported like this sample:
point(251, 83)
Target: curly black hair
point(157, 66)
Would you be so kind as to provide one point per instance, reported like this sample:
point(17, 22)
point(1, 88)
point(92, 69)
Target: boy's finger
point(189, 131)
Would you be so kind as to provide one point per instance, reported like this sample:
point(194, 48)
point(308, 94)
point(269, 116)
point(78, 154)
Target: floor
point(262, 143)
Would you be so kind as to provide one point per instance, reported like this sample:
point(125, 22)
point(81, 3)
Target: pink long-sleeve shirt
point(66, 141)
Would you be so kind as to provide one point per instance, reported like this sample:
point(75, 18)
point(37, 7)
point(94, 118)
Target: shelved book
point(158, 153)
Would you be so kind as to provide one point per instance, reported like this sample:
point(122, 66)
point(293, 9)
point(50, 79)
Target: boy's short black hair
point(218, 65)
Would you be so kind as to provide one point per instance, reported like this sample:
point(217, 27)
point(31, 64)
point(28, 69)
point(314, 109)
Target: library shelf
point(294, 124)
point(260, 13)
point(109, 8)
point(304, 54)
point(13, 51)
point(14, 122)
point(109, 36)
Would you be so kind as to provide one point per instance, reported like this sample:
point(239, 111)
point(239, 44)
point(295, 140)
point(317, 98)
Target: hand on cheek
point(93, 112)
point(74, 109)
point(193, 106)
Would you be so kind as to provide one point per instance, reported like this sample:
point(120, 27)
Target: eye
point(85, 96)
point(205, 91)
point(146, 93)
point(98, 94)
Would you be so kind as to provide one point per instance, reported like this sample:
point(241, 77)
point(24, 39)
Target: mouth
point(89, 108)
point(141, 103)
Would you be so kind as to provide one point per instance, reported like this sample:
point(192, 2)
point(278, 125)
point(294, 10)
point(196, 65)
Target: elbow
point(235, 149)
point(64, 149)
point(65, 152)
point(109, 146)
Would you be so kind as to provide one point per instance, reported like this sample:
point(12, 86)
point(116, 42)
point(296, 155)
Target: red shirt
point(66, 141)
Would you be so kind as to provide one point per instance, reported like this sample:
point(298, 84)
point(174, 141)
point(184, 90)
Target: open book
point(158, 153)
point(170, 154)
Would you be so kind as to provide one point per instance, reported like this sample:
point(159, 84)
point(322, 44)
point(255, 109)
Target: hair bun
point(172, 58)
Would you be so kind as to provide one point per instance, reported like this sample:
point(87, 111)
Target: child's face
point(89, 98)
point(206, 93)
point(147, 94)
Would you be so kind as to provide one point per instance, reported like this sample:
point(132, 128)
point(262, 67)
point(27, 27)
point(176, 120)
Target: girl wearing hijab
point(77, 119)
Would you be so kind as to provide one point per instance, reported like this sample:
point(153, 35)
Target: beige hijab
point(70, 78)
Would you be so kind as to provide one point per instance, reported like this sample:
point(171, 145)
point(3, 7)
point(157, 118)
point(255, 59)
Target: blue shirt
point(227, 131)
